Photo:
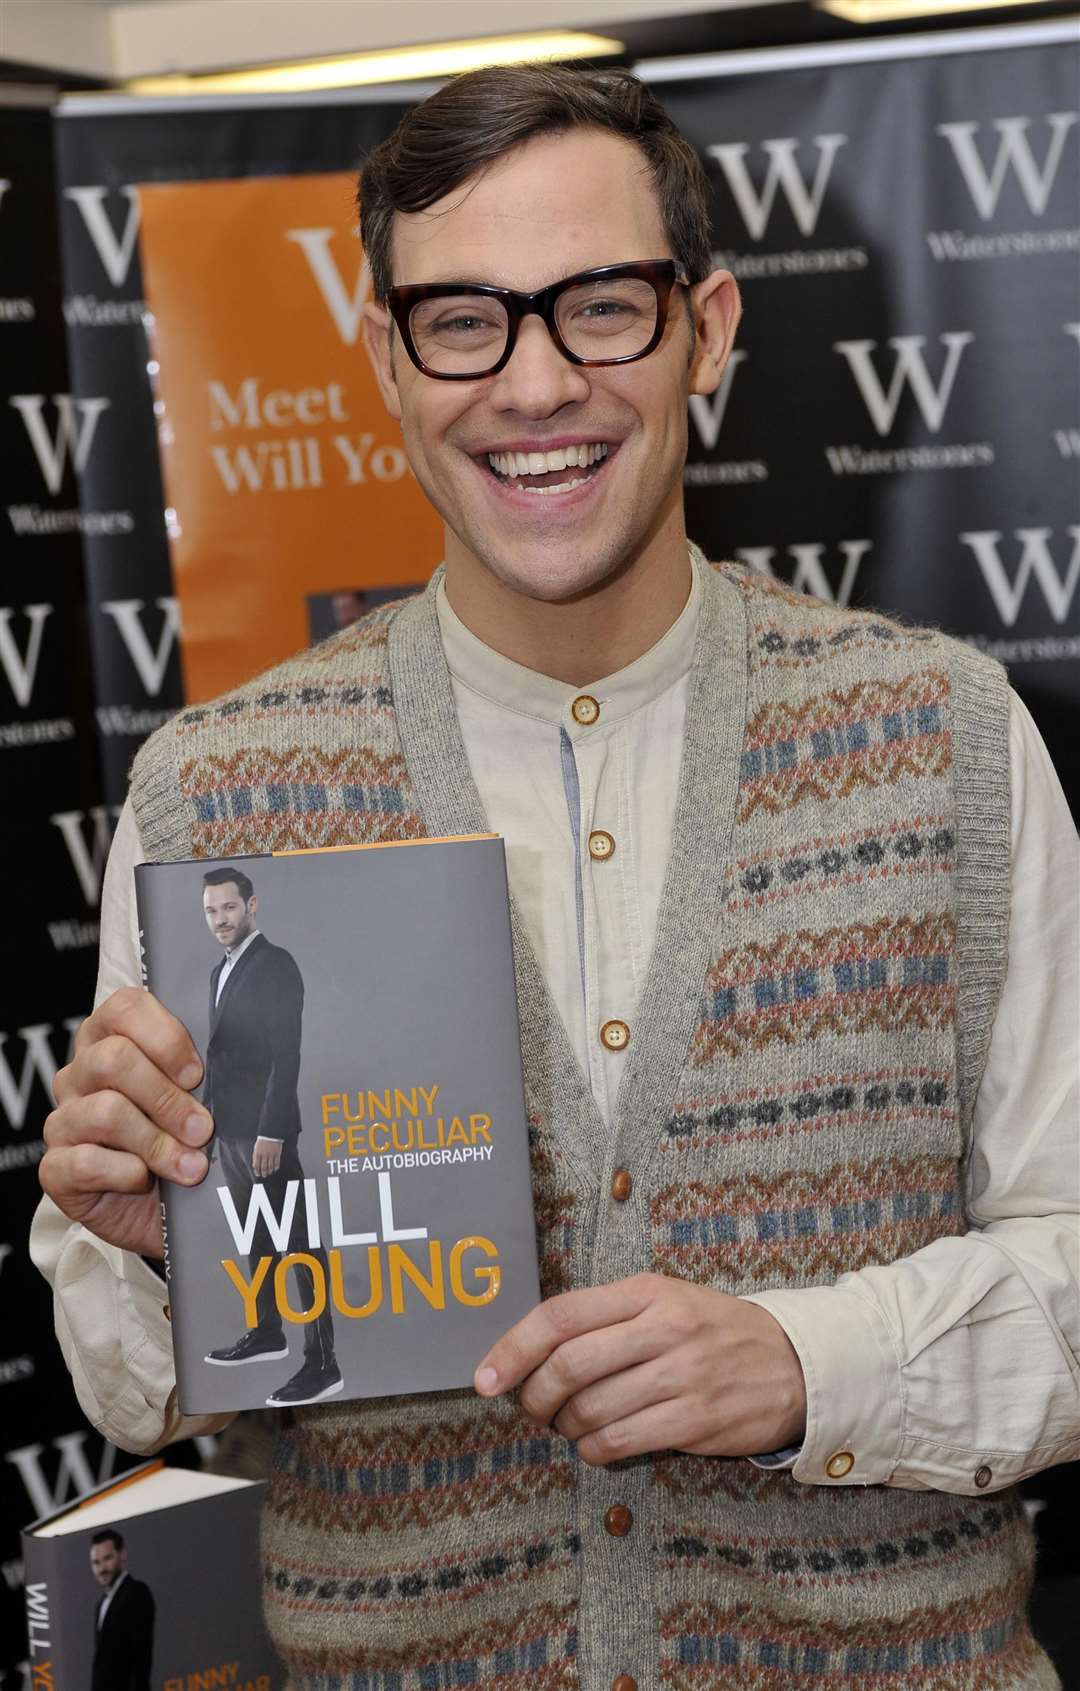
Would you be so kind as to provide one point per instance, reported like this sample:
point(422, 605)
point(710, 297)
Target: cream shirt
point(960, 1358)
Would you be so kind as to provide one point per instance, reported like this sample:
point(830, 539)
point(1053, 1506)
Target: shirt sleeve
point(109, 1307)
point(958, 1368)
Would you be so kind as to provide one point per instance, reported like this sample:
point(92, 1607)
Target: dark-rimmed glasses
point(459, 331)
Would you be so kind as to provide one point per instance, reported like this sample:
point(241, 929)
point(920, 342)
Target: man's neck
point(581, 639)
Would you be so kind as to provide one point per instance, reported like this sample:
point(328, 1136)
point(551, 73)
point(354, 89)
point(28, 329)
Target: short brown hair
point(483, 115)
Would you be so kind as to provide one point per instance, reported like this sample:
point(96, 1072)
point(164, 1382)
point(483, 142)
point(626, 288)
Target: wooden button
point(601, 845)
point(840, 1464)
point(983, 1476)
point(622, 1184)
point(624, 1682)
point(615, 1035)
point(585, 710)
point(618, 1520)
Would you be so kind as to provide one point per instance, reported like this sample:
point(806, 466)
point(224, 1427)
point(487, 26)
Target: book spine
point(144, 908)
point(51, 1665)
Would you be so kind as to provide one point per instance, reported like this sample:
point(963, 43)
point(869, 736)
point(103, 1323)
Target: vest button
point(983, 1476)
point(585, 710)
point(601, 845)
point(624, 1682)
point(615, 1035)
point(618, 1520)
point(840, 1464)
point(622, 1184)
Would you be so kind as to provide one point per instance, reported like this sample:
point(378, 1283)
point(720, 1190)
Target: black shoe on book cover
point(310, 1384)
point(253, 1347)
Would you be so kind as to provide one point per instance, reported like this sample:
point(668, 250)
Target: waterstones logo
point(1013, 161)
point(151, 662)
point(87, 858)
point(804, 192)
point(910, 373)
point(1036, 563)
point(72, 433)
point(21, 666)
point(807, 573)
point(37, 1062)
point(114, 241)
point(53, 1473)
point(345, 307)
point(707, 412)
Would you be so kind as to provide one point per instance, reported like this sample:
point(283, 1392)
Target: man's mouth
point(560, 470)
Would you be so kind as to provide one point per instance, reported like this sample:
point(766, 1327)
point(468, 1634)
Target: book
point(366, 1226)
point(150, 1583)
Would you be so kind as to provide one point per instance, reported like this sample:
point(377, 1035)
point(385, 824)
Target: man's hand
point(123, 1118)
point(653, 1363)
point(266, 1157)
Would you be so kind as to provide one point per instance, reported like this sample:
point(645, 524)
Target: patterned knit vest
point(795, 1105)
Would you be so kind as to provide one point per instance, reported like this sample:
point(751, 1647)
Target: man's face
point(556, 206)
point(107, 1563)
point(229, 919)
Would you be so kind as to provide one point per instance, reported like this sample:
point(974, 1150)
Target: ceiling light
point(892, 11)
point(407, 64)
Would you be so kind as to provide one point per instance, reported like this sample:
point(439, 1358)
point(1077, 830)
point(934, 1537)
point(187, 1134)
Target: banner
point(286, 480)
point(899, 425)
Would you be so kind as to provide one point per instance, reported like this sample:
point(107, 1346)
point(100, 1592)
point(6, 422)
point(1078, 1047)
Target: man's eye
point(463, 323)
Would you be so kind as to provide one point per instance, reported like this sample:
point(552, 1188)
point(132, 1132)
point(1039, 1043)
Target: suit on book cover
point(366, 1226)
point(123, 1637)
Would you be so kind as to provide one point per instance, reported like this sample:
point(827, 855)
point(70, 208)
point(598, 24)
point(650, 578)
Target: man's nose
point(538, 381)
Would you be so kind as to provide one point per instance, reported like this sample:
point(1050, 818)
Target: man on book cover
point(252, 1069)
point(123, 1619)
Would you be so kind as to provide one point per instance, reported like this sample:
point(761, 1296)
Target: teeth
point(541, 463)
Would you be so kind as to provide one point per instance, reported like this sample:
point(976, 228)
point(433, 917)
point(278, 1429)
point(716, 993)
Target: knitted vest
point(794, 1105)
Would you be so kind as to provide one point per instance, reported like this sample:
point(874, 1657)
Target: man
point(123, 1619)
point(250, 1089)
point(799, 1214)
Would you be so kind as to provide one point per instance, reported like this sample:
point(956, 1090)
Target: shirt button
point(624, 1682)
point(622, 1184)
point(618, 1520)
point(601, 845)
point(585, 710)
point(840, 1464)
point(615, 1035)
point(983, 1476)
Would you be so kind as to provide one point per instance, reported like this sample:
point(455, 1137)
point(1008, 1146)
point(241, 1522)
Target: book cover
point(150, 1583)
point(366, 1227)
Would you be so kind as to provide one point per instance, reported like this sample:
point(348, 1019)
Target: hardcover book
point(124, 1587)
point(366, 1226)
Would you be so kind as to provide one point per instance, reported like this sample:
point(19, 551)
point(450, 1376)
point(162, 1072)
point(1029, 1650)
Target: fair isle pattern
point(889, 974)
point(742, 1234)
point(816, 1124)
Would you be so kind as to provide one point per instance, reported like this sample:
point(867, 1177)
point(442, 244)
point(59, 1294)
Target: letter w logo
point(88, 863)
point(38, 1063)
point(150, 664)
point(73, 1473)
point(115, 254)
point(783, 172)
point(1013, 149)
point(346, 309)
point(21, 671)
point(809, 575)
point(74, 433)
point(1036, 560)
point(909, 369)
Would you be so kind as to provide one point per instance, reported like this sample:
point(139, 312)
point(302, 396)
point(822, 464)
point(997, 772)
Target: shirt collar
point(528, 693)
point(238, 950)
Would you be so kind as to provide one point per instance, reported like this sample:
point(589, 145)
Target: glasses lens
point(615, 318)
point(459, 334)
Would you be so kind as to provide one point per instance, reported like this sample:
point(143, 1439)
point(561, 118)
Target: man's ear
point(253, 905)
point(717, 309)
point(378, 329)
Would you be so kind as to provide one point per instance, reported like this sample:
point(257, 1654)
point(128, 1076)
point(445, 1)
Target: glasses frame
point(662, 274)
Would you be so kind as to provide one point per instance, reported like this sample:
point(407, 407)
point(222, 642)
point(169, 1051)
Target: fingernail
point(190, 1076)
point(197, 1128)
point(192, 1165)
point(486, 1379)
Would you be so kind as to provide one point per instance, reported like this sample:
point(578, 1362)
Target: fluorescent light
point(892, 11)
point(406, 64)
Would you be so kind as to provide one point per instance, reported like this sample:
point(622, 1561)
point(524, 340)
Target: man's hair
point(221, 878)
point(109, 1536)
point(481, 116)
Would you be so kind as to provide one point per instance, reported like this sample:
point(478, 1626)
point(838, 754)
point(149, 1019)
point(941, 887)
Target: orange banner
point(291, 505)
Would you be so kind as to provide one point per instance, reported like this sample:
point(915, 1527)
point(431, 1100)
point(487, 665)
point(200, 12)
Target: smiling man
point(797, 1007)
